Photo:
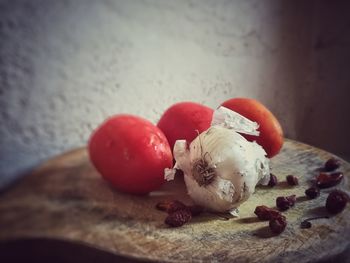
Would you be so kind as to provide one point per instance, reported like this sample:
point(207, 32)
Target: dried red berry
point(170, 206)
point(336, 201)
point(265, 213)
point(312, 192)
point(305, 224)
point(282, 203)
point(273, 180)
point(285, 202)
point(324, 180)
point(292, 180)
point(278, 224)
point(178, 218)
point(195, 210)
point(332, 164)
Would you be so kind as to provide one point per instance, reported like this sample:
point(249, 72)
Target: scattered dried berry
point(305, 224)
point(278, 224)
point(273, 180)
point(178, 218)
point(285, 202)
point(312, 192)
point(170, 206)
point(265, 213)
point(292, 180)
point(336, 201)
point(195, 210)
point(324, 180)
point(282, 203)
point(332, 164)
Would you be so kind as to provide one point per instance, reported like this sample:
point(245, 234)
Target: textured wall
point(67, 65)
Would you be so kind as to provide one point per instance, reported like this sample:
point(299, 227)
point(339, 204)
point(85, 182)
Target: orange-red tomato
point(271, 133)
point(184, 120)
point(131, 153)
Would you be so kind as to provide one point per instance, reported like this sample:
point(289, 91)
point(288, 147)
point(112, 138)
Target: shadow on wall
point(324, 118)
point(313, 68)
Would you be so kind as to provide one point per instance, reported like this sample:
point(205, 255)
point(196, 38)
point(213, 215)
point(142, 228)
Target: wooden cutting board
point(66, 199)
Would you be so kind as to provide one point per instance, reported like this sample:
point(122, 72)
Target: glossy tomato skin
point(184, 120)
point(271, 133)
point(131, 153)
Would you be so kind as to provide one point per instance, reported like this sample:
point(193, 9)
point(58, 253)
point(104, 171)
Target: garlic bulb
point(221, 168)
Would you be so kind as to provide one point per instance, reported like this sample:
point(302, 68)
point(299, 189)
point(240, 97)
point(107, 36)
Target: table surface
point(66, 200)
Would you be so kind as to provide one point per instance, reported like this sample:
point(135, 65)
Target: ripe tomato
point(131, 153)
point(271, 133)
point(183, 121)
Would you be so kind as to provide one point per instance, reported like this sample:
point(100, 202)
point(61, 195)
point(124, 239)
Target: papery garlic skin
point(232, 120)
point(239, 165)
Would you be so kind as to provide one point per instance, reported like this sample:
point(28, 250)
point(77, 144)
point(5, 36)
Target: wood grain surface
point(66, 199)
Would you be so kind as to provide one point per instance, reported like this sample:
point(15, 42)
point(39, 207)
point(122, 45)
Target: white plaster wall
point(67, 65)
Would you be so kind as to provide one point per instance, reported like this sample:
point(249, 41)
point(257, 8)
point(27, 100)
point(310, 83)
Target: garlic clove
point(230, 165)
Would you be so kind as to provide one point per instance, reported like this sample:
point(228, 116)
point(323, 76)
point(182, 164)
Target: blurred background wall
point(67, 65)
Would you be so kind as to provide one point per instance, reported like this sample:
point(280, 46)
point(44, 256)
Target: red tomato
point(131, 153)
point(271, 133)
point(184, 120)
